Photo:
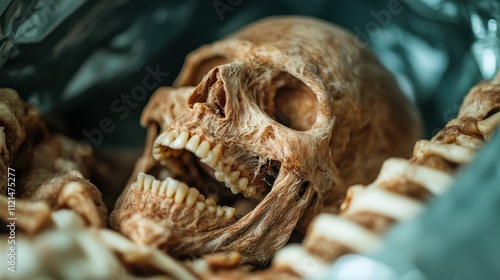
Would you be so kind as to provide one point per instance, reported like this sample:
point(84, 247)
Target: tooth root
point(155, 186)
point(193, 143)
point(181, 193)
point(163, 188)
point(200, 205)
point(234, 177)
point(180, 141)
point(219, 176)
point(229, 212)
point(210, 202)
point(192, 197)
point(202, 150)
point(172, 187)
point(170, 137)
point(211, 209)
point(220, 211)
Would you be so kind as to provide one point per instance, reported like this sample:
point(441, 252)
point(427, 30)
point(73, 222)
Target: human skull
point(286, 113)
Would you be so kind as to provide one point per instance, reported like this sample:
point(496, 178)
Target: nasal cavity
point(211, 93)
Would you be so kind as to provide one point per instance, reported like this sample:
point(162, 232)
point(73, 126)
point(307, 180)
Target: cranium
point(285, 113)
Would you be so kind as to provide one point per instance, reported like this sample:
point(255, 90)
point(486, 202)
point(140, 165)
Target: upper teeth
point(178, 140)
point(182, 194)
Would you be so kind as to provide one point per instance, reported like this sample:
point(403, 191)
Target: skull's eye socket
point(204, 67)
point(295, 105)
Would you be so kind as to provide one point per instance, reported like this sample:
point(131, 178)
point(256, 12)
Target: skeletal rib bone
point(402, 187)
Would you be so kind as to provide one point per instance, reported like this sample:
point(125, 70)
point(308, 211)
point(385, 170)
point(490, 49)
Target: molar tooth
point(249, 192)
point(180, 141)
point(193, 143)
point(235, 190)
point(211, 209)
point(229, 212)
point(172, 187)
point(220, 211)
point(202, 150)
point(201, 198)
point(155, 186)
point(181, 193)
point(243, 184)
point(169, 137)
point(210, 202)
point(219, 176)
point(200, 205)
point(192, 197)
point(233, 178)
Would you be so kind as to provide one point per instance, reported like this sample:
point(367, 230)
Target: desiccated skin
point(401, 188)
point(284, 114)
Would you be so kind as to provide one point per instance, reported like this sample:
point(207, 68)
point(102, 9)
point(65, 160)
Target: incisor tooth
point(192, 197)
point(170, 137)
point(193, 143)
point(200, 205)
point(181, 193)
point(159, 139)
point(163, 187)
point(202, 150)
point(180, 141)
point(172, 187)
point(148, 180)
point(219, 176)
point(229, 212)
point(211, 209)
point(220, 211)
point(140, 180)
